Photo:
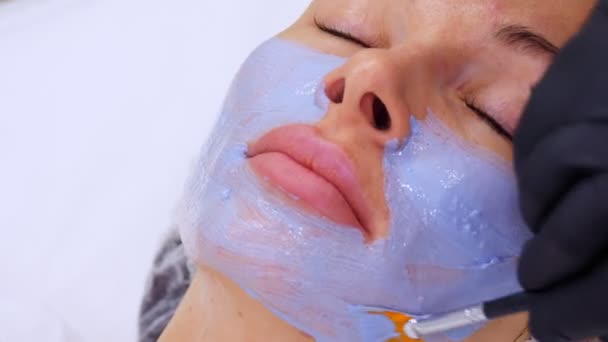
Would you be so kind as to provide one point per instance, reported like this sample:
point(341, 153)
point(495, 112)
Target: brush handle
point(497, 308)
point(418, 329)
point(509, 305)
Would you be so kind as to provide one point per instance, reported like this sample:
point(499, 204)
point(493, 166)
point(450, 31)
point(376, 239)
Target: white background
point(103, 106)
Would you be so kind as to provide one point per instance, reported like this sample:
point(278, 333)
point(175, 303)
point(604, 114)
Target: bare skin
point(216, 309)
point(414, 55)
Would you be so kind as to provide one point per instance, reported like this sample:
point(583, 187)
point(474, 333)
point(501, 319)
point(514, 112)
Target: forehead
point(556, 19)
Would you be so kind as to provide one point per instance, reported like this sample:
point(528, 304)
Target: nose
point(368, 94)
point(372, 99)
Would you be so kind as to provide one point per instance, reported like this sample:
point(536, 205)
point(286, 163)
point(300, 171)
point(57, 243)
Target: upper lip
point(304, 145)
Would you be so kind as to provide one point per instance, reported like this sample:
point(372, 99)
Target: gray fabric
point(167, 284)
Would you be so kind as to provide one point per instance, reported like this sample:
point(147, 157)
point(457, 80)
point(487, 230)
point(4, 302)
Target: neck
point(216, 309)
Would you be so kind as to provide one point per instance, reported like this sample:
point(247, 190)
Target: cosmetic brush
point(379, 324)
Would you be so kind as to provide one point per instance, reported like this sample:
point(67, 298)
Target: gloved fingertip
point(541, 332)
point(528, 271)
point(544, 263)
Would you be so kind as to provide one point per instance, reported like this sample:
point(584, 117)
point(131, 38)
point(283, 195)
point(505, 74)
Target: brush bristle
point(381, 325)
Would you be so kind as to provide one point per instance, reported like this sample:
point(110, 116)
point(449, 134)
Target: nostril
point(335, 91)
point(382, 119)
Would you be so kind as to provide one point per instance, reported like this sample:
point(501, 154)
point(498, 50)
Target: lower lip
point(313, 191)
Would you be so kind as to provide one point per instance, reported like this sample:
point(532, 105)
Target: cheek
point(453, 113)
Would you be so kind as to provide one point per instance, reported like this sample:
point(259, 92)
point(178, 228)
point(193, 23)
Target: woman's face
point(454, 56)
point(392, 117)
point(472, 62)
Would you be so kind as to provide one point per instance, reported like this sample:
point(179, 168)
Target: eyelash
point(340, 34)
point(495, 125)
point(489, 119)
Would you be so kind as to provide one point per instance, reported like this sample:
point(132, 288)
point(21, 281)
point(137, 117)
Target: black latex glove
point(561, 160)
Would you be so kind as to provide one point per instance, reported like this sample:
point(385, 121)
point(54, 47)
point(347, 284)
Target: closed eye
point(489, 119)
point(340, 34)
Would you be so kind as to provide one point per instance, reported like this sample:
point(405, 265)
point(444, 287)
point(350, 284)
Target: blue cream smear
point(455, 233)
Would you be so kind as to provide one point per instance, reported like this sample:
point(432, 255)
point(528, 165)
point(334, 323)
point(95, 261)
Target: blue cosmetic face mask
point(455, 232)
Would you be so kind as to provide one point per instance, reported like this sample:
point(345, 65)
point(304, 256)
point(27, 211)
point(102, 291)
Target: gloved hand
point(561, 161)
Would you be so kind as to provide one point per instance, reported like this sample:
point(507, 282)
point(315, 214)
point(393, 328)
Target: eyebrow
point(521, 36)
